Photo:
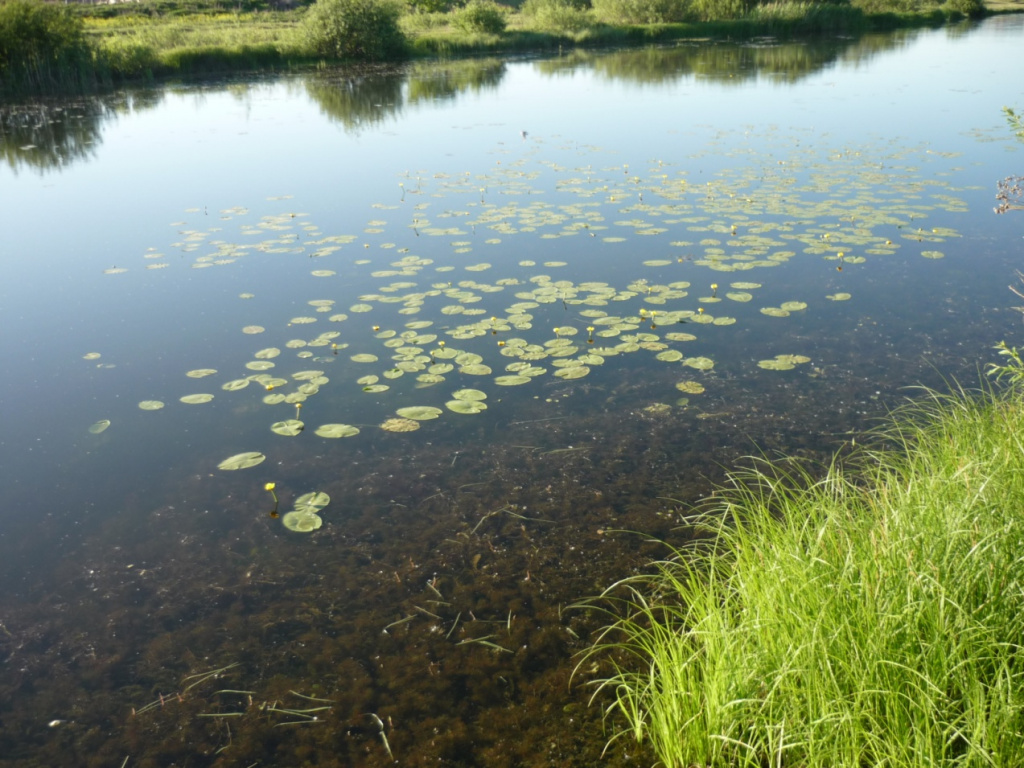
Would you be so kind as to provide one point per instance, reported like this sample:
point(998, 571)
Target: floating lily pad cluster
point(783, 362)
point(438, 319)
point(304, 518)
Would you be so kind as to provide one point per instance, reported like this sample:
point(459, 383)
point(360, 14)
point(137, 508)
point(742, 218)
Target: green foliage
point(1012, 371)
point(1016, 122)
point(717, 10)
point(797, 16)
point(42, 47)
point(362, 30)
point(164, 8)
point(895, 6)
point(865, 616)
point(430, 6)
point(641, 11)
point(558, 16)
point(971, 8)
point(481, 16)
point(129, 58)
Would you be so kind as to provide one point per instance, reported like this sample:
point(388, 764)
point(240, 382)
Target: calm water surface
point(635, 237)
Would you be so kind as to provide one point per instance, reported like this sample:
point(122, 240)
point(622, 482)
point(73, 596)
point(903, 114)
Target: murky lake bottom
point(620, 302)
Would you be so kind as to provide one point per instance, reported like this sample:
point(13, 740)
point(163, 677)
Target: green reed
point(869, 615)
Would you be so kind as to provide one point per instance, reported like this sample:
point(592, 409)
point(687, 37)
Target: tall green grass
point(872, 615)
point(42, 48)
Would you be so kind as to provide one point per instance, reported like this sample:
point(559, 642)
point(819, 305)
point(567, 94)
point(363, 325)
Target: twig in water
point(383, 736)
point(454, 625)
point(202, 677)
point(312, 698)
point(508, 511)
point(485, 640)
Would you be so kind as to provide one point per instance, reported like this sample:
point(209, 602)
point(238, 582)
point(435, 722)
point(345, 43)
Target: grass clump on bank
point(870, 617)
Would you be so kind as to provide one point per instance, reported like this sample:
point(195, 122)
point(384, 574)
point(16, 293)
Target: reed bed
point(868, 615)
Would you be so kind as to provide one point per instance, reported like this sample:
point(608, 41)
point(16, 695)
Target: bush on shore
point(481, 16)
point(363, 30)
point(42, 47)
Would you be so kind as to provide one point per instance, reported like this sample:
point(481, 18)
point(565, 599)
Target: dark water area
point(635, 237)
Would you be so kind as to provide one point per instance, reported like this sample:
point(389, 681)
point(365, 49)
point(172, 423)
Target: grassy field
point(867, 614)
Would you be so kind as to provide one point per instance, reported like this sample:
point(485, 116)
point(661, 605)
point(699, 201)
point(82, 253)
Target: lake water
point(600, 280)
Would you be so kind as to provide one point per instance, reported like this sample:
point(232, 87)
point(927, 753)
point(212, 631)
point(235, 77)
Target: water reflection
point(725, 63)
point(358, 103)
point(433, 82)
point(49, 136)
point(46, 137)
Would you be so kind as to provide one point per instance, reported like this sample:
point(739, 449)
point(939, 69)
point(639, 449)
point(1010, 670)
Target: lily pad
point(196, 399)
point(700, 363)
point(99, 426)
point(313, 501)
point(511, 381)
point(469, 394)
point(838, 297)
point(793, 306)
point(690, 387)
point(288, 427)
point(235, 384)
point(419, 412)
point(572, 372)
point(151, 405)
point(242, 460)
point(466, 406)
point(400, 425)
point(302, 522)
point(337, 430)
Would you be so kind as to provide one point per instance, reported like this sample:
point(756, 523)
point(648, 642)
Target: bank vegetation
point(869, 613)
point(47, 47)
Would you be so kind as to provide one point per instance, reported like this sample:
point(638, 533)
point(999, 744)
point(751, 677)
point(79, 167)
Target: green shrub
point(560, 16)
point(128, 58)
point(430, 6)
point(970, 8)
point(716, 10)
point(42, 47)
point(894, 6)
point(481, 16)
point(365, 30)
point(641, 11)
